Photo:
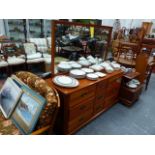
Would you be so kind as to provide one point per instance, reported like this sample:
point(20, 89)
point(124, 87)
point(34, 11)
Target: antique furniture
point(147, 26)
point(14, 56)
point(3, 65)
point(47, 118)
point(41, 44)
point(149, 70)
point(127, 53)
point(82, 104)
point(32, 55)
point(141, 65)
point(128, 96)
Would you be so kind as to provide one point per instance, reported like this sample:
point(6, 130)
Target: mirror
point(71, 41)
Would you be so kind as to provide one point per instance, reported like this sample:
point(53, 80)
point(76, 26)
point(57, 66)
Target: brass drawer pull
point(84, 94)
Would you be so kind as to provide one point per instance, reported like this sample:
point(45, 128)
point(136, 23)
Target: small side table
point(128, 96)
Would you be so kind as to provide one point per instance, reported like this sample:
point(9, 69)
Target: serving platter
point(65, 81)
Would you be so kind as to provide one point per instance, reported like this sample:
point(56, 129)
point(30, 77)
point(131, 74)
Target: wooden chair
point(127, 53)
point(33, 56)
point(13, 57)
point(149, 70)
point(141, 66)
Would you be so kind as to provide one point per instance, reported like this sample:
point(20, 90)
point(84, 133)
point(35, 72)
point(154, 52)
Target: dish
point(96, 67)
point(135, 81)
point(131, 85)
point(64, 67)
point(76, 65)
point(65, 81)
point(77, 73)
point(100, 74)
point(92, 76)
point(87, 70)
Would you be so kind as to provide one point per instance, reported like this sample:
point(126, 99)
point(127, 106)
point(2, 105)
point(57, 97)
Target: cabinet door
point(16, 29)
point(36, 29)
point(48, 28)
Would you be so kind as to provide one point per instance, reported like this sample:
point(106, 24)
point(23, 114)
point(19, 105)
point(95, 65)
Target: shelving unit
point(128, 96)
point(47, 27)
point(16, 29)
point(36, 28)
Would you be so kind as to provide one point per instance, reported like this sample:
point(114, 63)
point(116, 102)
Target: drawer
point(81, 109)
point(79, 120)
point(113, 79)
point(81, 95)
point(110, 101)
point(115, 83)
point(98, 107)
point(101, 87)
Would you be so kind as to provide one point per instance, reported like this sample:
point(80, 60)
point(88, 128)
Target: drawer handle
point(82, 107)
point(84, 94)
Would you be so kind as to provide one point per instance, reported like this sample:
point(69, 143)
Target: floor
point(120, 120)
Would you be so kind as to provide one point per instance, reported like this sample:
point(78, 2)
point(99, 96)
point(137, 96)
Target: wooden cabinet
point(128, 96)
point(82, 104)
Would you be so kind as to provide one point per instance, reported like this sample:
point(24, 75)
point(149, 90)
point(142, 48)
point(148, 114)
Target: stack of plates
point(87, 70)
point(100, 74)
point(92, 76)
point(84, 63)
point(64, 67)
point(131, 85)
point(96, 67)
point(75, 65)
point(65, 81)
point(77, 73)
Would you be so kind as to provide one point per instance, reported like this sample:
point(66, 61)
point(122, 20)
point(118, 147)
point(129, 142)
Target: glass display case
point(36, 28)
point(47, 27)
point(16, 29)
point(71, 41)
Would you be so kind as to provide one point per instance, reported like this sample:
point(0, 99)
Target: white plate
point(100, 74)
point(84, 63)
point(96, 67)
point(77, 72)
point(87, 70)
point(132, 85)
point(92, 76)
point(135, 81)
point(76, 65)
point(64, 66)
point(65, 81)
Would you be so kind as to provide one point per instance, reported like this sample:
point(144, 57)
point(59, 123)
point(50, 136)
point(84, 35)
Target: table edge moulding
point(82, 104)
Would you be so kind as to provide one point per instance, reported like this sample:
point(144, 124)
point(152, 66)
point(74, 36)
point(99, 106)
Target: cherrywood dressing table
point(82, 104)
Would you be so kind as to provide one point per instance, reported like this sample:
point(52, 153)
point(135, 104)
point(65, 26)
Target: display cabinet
point(47, 27)
point(36, 29)
point(16, 29)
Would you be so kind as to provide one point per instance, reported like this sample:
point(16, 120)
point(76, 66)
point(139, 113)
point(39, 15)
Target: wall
point(128, 23)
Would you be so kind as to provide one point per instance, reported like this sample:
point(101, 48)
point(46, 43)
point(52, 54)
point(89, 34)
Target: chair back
point(29, 48)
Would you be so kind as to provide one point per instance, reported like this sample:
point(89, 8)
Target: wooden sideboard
point(82, 104)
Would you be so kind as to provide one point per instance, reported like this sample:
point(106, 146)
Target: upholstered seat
point(41, 44)
point(15, 60)
point(3, 64)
